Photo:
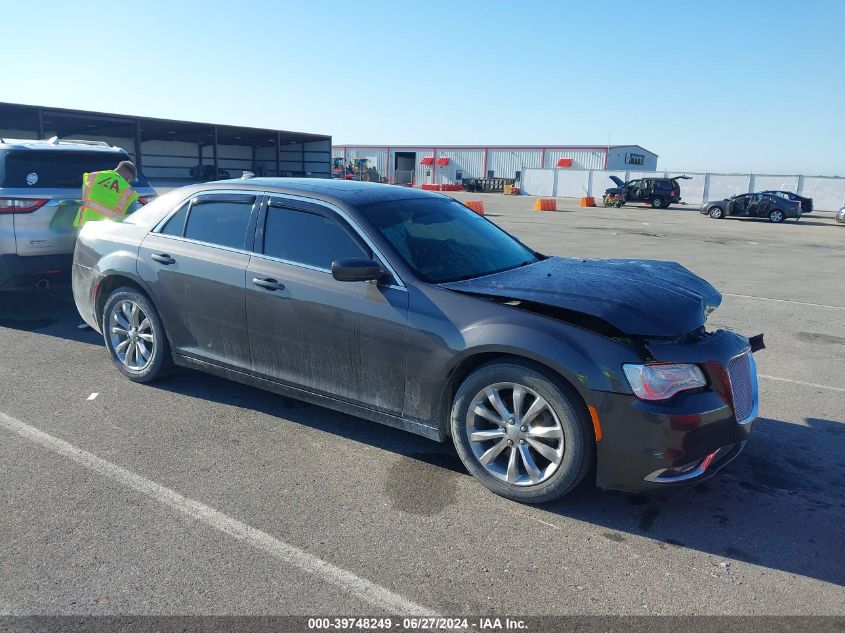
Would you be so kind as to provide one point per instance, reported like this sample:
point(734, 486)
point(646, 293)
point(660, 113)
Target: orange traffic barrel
point(545, 204)
point(476, 205)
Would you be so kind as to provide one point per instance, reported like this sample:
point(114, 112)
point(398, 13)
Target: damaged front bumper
point(689, 437)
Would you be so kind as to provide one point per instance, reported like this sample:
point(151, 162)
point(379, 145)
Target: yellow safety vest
point(105, 196)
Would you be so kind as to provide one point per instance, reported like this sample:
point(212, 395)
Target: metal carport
point(167, 149)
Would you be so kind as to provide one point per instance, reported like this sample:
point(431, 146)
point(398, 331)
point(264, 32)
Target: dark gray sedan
point(754, 205)
point(406, 308)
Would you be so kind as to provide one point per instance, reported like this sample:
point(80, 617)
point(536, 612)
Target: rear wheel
point(657, 203)
point(717, 213)
point(776, 216)
point(134, 336)
point(520, 434)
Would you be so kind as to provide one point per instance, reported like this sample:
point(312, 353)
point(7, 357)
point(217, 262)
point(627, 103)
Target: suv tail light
point(146, 199)
point(21, 205)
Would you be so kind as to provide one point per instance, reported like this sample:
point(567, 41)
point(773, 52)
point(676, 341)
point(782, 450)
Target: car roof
point(59, 145)
point(348, 192)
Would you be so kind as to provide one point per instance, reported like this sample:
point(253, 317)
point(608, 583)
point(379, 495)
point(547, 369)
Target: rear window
point(44, 169)
point(665, 184)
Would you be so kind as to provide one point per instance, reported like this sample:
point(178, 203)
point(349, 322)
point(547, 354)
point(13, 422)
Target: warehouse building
point(178, 152)
point(449, 164)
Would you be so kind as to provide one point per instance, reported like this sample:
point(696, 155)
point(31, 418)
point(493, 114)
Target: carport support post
point(278, 154)
point(214, 150)
point(138, 144)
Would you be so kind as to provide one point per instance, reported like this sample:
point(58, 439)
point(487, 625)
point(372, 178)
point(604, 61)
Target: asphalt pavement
point(195, 495)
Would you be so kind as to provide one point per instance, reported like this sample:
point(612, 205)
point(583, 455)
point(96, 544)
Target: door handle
point(163, 258)
point(268, 283)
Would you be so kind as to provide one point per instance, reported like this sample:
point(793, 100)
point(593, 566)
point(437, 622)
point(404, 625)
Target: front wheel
point(134, 336)
point(717, 213)
point(776, 216)
point(520, 434)
point(657, 203)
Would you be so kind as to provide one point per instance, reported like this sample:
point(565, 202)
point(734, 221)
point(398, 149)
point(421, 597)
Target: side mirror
point(356, 269)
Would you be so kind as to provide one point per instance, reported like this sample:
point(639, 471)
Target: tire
point(560, 424)
point(657, 203)
point(776, 216)
point(129, 307)
point(717, 213)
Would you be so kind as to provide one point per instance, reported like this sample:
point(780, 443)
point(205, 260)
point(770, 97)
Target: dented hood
point(639, 297)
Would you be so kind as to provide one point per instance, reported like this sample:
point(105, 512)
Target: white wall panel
point(572, 184)
point(828, 194)
point(721, 186)
point(600, 180)
point(778, 183)
point(692, 190)
point(538, 182)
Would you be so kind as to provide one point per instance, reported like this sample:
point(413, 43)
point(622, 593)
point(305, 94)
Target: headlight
point(662, 381)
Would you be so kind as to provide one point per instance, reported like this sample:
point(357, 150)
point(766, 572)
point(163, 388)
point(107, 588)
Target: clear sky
point(724, 85)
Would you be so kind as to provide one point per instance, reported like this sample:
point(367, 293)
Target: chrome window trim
point(188, 240)
point(316, 269)
point(400, 284)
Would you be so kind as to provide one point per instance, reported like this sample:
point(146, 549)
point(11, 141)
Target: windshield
point(442, 240)
point(41, 169)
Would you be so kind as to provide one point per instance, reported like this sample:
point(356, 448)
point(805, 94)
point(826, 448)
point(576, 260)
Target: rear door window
point(176, 224)
point(55, 169)
point(304, 237)
point(221, 220)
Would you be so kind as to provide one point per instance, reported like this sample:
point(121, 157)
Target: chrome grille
point(742, 386)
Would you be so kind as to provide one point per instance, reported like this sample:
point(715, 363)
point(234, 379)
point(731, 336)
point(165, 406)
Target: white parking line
point(801, 382)
point(93, 396)
point(363, 589)
point(800, 303)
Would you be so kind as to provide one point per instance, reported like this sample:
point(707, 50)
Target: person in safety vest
point(107, 195)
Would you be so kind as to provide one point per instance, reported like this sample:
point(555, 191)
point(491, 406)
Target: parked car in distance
point(206, 172)
point(658, 192)
point(753, 205)
point(806, 203)
point(40, 187)
point(407, 308)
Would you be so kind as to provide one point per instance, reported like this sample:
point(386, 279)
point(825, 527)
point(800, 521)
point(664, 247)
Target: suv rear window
point(45, 169)
point(663, 184)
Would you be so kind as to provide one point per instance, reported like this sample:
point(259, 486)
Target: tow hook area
point(757, 343)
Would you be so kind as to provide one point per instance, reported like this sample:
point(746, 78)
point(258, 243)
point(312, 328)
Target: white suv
point(40, 186)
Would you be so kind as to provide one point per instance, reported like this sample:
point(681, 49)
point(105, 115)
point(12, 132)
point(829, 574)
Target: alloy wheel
point(515, 434)
point(776, 216)
point(131, 335)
